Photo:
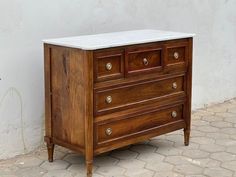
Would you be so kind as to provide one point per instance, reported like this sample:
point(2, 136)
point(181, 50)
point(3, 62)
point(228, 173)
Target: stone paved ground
point(212, 153)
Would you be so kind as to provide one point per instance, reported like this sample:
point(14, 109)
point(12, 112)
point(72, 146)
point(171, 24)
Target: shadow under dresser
point(111, 90)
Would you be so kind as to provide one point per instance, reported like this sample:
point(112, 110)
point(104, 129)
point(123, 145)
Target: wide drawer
point(116, 130)
point(131, 95)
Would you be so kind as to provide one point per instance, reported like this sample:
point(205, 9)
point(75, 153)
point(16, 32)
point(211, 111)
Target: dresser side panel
point(68, 97)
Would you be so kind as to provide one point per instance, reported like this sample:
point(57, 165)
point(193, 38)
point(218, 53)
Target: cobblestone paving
point(212, 153)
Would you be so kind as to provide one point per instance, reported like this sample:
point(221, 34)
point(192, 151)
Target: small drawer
point(116, 130)
point(176, 54)
point(130, 95)
point(108, 65)
point(146, 58)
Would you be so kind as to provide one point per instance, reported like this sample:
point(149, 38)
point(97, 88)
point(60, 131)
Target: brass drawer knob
point(174, 85)
point(145, 61)
point(108, 131)
point(108, 66)
point(174, 114)
point(176, 55)
point(108, 99)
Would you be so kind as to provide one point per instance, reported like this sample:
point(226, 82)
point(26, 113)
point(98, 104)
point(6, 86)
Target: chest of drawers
point(107, 91)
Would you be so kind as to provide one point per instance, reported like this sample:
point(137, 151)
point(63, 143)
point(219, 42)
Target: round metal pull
point(108, 66)
point(174, 85)
point(174, 114)
point(108, 131)
point(145, 61)
point(176, 55)
point(108, 99)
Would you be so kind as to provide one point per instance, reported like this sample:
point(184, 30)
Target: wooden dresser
point(110, 90)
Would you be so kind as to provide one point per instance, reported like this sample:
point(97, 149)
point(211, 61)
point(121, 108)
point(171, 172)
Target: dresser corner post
point(187, 129)
point(88, 74)
point(48, 114)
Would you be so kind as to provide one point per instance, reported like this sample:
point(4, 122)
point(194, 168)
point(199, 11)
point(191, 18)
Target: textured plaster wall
point(23, 23)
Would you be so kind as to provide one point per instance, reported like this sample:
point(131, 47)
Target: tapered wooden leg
point(186, 137)
point(89, 166)
point(50, 148)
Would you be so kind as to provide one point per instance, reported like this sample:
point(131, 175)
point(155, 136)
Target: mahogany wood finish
point(145, 58)
point(137, 124)
point(108, 65)
point(100, 100)
point(127, 96)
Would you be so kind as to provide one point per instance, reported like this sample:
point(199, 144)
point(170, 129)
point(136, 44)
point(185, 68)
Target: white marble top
point(115, 39)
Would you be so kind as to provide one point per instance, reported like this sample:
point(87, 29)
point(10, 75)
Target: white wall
point(23, 23)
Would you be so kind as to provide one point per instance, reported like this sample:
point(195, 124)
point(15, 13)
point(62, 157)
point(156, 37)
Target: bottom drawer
point(115, 130)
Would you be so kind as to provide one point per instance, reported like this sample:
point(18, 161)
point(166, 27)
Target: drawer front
point(108, 65)
point(138, 124)
point(177, 54)
point(143, 59)
point(125, 96)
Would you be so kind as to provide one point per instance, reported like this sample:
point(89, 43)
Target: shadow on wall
point(12, 124)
